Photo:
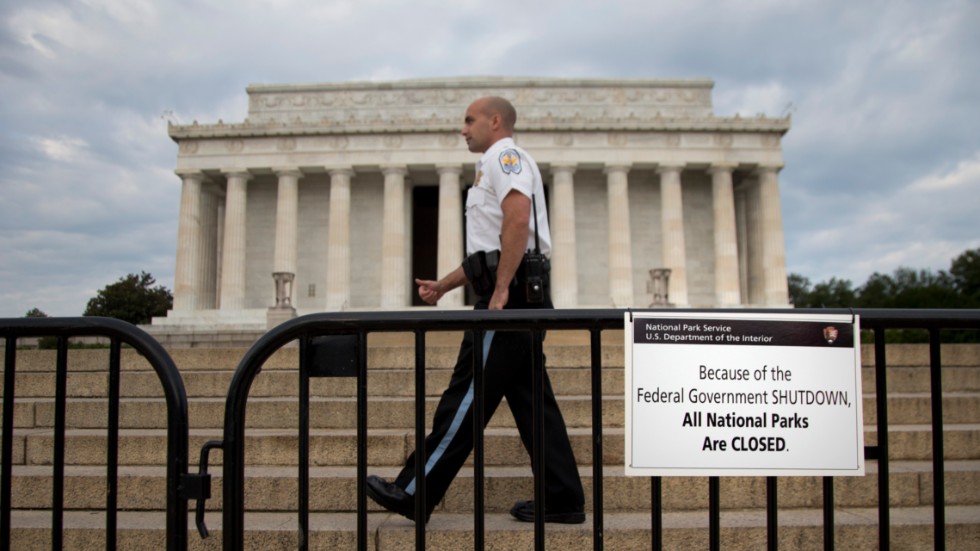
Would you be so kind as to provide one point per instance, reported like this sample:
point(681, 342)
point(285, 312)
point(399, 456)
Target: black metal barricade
point(335, 345)
point(357, 326)
point(180, 485)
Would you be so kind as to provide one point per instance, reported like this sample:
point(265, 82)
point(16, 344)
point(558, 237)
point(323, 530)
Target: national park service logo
point(510, 161)
point(830, 334)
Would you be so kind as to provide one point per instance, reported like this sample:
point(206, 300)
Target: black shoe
point(392, 497)
point(524, 511)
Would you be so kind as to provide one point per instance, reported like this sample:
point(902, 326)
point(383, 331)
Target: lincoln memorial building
point(331, 197)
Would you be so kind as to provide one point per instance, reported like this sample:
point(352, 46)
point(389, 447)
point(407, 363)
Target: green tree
point(44, 343)
point(877, 291)
point(965, 271)
point(799, 290)
point(904, 288)
point(836, 293)
point(133, 298)
point(908, 288)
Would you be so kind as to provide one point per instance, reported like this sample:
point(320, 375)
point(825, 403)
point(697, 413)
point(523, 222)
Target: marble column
point(727, 285)
point(754, 264)
point(338, 240)
point(620, 245)
point(450, 247)
point(208, 270)
point(672, 222)
point(564, 262)
point(393, 271)
point(743, 225)
point(220, 246)
point(287, 211)
point(233, 259)
point(775, 287)
point(189, 231)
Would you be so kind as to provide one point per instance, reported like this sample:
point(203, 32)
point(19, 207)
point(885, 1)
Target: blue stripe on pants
point(464, 408)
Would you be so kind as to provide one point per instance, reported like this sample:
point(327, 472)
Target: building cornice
point(477, 82)
point(249, 129)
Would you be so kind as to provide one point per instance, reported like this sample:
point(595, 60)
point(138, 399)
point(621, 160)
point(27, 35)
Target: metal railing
point(341, 339)
point(352, 353)
point(180, 485)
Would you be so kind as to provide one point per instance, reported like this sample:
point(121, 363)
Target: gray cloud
point(881, 161)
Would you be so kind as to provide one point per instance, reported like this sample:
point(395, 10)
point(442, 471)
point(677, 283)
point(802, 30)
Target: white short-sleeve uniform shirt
point(504, 167)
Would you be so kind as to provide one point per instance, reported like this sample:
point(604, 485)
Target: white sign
point(743, 395)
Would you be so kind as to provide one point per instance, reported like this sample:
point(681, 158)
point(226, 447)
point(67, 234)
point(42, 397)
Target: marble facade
point(333, 197)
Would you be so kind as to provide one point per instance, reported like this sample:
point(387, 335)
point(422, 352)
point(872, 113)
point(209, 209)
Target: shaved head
point(496, 105)
point(488, 120)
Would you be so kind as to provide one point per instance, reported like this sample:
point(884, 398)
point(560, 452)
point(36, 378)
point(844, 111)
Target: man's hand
point(499, 299)
point(429, 290)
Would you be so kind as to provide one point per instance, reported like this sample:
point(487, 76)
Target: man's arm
point(513, 241)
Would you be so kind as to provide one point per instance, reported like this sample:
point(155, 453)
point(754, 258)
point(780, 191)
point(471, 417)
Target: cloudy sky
point(882, 161)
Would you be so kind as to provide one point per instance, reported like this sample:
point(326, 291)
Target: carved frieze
point(449, 140)
point(618, 139)
point(338, 142)
point(444, 100)
point(697, 139)
point(655, 139)
point(770, 140)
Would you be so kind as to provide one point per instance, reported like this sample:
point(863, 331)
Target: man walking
point(505, 216)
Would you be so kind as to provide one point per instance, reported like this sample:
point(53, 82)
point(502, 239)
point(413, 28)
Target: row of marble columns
point(200, 283)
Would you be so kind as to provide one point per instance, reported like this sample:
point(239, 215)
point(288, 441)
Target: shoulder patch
point(510, 161)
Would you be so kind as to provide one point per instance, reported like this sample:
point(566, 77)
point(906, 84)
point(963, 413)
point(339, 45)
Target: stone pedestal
point(278, 316)
point(657, 287)
point(284, 288)
point(283, 310)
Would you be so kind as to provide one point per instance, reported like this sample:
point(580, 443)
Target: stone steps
point(274, 488)
point(36, 380)
point(337, 412)
point(395, 411)
point(800, 530)
point(560, 352)
point(272, 449)
point(391, 446)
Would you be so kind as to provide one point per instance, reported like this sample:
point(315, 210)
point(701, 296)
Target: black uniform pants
point(507, 368)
